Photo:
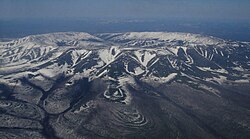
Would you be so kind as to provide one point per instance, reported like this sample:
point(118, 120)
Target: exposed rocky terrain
point(124, 85)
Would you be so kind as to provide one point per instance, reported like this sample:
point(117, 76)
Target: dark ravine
point(124, 85)
point(48, 130)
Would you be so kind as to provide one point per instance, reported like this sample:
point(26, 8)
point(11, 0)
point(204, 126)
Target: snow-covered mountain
point(132, 85)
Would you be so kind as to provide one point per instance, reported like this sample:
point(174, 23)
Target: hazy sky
point(80, 9)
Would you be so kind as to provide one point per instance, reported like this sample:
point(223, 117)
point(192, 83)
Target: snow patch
point(109, 55)
point(144, 56)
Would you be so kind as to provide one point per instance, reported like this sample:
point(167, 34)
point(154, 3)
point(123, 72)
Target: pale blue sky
point(80, 9)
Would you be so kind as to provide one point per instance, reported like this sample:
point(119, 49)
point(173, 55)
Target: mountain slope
point(125, 85)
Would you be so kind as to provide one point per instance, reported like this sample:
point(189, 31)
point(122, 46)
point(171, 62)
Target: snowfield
point(124, 85)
